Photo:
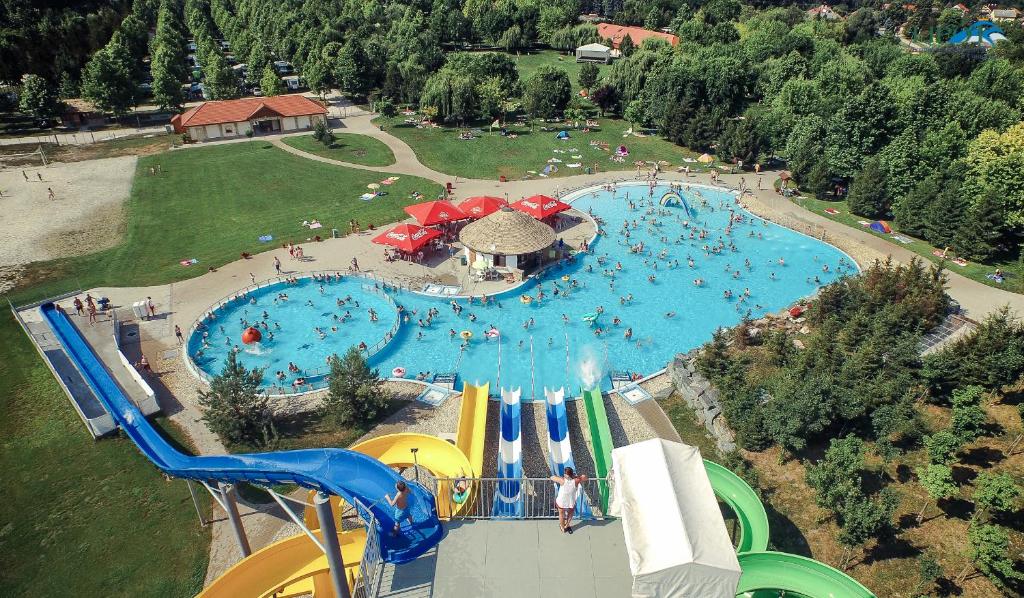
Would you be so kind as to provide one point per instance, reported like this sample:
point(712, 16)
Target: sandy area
point(86, 215)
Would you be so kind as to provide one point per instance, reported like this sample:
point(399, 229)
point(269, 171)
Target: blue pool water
point(565, 349)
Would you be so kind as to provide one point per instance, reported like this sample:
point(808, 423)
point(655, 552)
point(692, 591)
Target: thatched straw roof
point(507, 232)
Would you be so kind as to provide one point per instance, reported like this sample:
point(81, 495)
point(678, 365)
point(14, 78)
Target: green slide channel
point(741, 498)
point(793, 573)
point(600, 439)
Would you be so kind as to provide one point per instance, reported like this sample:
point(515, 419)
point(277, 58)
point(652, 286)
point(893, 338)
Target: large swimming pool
point(548, 342)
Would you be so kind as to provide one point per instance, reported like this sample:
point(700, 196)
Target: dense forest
point(931, 139)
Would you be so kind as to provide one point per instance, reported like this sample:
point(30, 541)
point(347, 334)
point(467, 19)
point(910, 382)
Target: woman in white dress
point(565, 500)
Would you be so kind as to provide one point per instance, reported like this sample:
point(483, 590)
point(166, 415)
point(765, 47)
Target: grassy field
point(528, 64)
point(79, 517)
point(212, 203)
point(1014, 270)
point(347, 147)
point(490, 155)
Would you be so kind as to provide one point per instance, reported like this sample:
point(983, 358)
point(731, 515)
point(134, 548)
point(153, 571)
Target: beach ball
point(251, 335)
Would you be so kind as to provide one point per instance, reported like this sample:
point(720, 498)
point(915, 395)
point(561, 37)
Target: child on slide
point(401, 505)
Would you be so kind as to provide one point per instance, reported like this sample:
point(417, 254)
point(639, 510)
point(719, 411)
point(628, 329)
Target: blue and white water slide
point(345, 473)
point(559, 448)
point(508, 499)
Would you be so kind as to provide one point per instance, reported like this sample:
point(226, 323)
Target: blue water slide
point(508, 499)
point(345, 473)
point(559, 447)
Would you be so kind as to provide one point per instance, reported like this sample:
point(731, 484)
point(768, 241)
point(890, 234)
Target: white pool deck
point(491, 559)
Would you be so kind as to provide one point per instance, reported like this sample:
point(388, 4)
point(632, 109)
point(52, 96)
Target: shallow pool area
point(629, 305)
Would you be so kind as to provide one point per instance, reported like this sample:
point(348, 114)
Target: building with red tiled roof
point(234, 118)
point(616, 33)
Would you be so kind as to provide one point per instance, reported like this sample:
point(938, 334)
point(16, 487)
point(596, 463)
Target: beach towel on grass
point(189, 262)
point(266, 238)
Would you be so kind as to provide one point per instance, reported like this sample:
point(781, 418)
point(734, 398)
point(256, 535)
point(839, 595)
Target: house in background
point(235, 118)
point(825, 12)
point(1005, 15)
point(79, 113)
point(616, 33)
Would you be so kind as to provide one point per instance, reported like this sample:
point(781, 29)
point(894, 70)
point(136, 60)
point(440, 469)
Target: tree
point(235, 408)
point(605, 97)
point(588, 75)
point(863, 519)
point(740, 140)
point(220, 83)
point(626, 46)
point(929, 569)
point(995, 493)
point(942, 446)
point(968, 415)
point(937, 480)
point(838, 475)
point(38, 98)
point(107, 83)
point(989, 552)
point(868, 196)
point(980, 236)
point(270, 83)
point(911, 211)
point(166, 84)
point(547, 92)
point(356, 394)
point(323, 134)
point(317, 75)
point(635, 113)
point(385, 107)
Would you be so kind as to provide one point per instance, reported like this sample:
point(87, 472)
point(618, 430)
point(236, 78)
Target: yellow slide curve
point(295, 566)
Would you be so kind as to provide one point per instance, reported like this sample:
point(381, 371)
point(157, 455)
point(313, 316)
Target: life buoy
point(525, 299)
point(466, 335)
point(398, 372)
point(492, 333)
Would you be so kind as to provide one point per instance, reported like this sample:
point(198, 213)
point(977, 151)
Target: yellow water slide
point(295, 566)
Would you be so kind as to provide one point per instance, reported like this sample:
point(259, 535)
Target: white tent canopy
point(675, 535)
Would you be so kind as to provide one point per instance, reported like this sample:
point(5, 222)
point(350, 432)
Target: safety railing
point(371, 567)
point(537, 496)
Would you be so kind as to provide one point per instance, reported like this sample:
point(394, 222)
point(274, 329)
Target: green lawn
point(490, 155)
point(347, 147)
point(212, 203)
point(1014, 270)
point(529, 63)
point(80, 517)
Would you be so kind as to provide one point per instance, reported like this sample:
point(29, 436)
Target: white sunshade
point(675, 535)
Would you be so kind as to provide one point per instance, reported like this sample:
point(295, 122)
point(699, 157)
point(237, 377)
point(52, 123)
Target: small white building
point(507, 239)
point(594, 53)
point(236, 118)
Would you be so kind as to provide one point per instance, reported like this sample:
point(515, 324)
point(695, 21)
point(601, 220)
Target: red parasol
point(540, 206)
point(430, 213)
point(482, 205)
point(407, 237)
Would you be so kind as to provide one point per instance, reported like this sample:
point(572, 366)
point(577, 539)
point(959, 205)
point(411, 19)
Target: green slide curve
point(600, 439)
point(793, 573)
point(741, 498)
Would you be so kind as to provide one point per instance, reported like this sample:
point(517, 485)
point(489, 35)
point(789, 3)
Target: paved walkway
point(491, 559)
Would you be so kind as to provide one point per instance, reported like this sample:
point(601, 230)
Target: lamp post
point(415, 464)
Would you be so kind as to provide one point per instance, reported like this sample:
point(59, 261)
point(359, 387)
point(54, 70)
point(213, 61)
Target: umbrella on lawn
point(705, 159)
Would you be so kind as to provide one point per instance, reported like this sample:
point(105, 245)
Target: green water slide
point(795, 574)
point(600, 439)
point(742, 499)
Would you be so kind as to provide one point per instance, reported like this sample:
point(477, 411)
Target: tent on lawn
point(705, 159)
point(675, 535)
point(562, 135)
point(881, 226)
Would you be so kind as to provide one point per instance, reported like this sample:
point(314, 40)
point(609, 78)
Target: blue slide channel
point(508, 499)
point(341, 472)
point(559, 447)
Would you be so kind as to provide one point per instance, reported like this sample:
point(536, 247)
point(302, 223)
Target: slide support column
point(329, 535)
point(227, 491)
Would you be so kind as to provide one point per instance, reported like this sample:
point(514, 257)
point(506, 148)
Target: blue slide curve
point(559, 447)
point(345, 473)
point(508, 499)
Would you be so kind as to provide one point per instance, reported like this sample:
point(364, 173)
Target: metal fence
point(371, 567)
point(537, 496)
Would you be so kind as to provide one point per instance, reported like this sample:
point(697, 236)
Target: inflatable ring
point(466, 335)
point(565, 278)
point(460, 497)
point(398, 372)
point(525, 299)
